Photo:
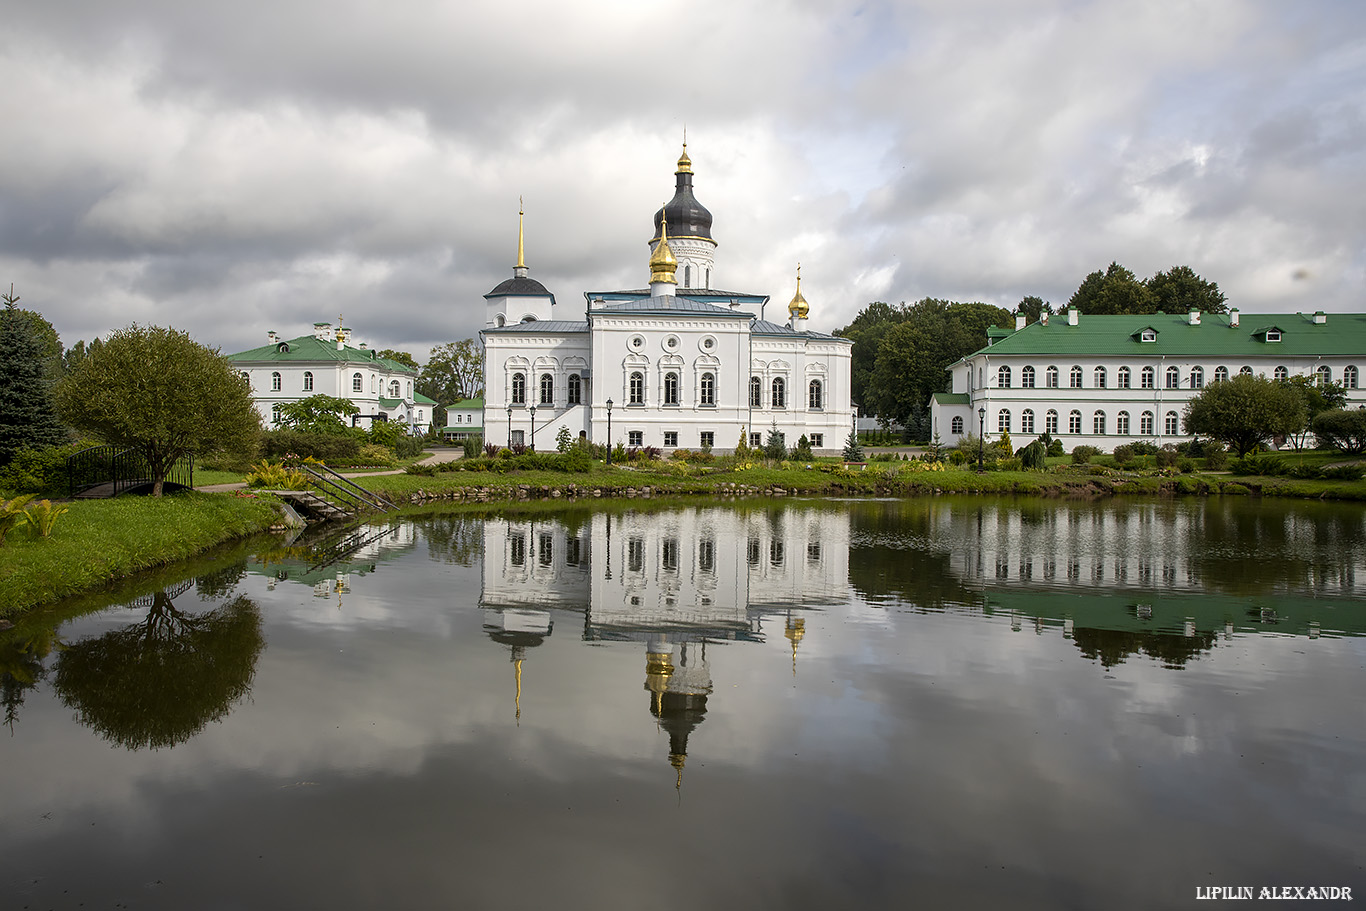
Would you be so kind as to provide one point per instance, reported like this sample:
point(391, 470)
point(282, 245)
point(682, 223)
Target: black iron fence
point(108, 471)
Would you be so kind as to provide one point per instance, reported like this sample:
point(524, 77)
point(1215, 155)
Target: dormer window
point(1273, 335)
point(1148, 335)
point(1268, 334)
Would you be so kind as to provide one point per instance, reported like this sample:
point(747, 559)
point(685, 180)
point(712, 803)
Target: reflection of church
point(674, 581)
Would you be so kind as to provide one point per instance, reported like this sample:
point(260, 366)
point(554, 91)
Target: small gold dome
point(663, 264)
point(684, 162)
point(799, 307)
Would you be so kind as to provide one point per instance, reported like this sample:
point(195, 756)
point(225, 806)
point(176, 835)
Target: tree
point(318, 414)
point(914, 355)
point(866, 332)
point(27, 416)
point(1344, 430)
point(775, 445)
point(853, 452)
point(401, 357)
point(163, 394)
point(1244, 411)
point(1033, 308)
point(1180, 290)
point(1318, 397)
point(454, 371)
point(1114, 291)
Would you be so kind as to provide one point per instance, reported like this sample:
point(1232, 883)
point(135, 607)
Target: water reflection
point(156, 683)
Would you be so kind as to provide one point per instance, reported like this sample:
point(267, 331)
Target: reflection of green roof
point(308, 348)
point(952, 398)
point(1339, 334)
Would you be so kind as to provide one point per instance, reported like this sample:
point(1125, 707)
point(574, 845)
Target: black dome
point(525, 287)
point(687, 217)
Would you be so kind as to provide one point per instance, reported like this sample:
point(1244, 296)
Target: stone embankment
point(584, 491)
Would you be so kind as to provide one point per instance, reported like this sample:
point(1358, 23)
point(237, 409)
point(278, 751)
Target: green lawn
point(101, 540)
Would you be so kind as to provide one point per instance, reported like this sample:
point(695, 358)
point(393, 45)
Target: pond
point(805, 704)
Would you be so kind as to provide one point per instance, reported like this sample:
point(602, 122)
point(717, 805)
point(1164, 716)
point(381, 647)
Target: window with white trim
point(1074, 422)
point(1027, 377)
point(547, 389)
point(1173, 423)
point(276, 382)
point(671, 438)
point(756, 392)
point(1003, 377)
point(1146, 423)
point(1051, 378)
point(1197, 378)
point(707, 396)
point(707, 439)
point(1075, 380)
point(575, 391)
point(1122, 423)
point(1098, 423)
point(1173, 378)
point(1220, 374)
point(1149, 378)
point(1123, 378)
point(1349, 377)
point(1100, 377)
point(1050, 422)
point(817, 440)
point(357, 383)
point(671, 389)
point(519, 389)
point(637, 389)
point(635, 437)
point(815, 400)
point(1003, 421)
point(1027, 421)
point(308, 381)
point(779, 398)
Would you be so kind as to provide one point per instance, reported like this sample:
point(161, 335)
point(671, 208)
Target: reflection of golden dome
point(799, 307)
point(663, 265)
point(795, 630)
point(659, 667)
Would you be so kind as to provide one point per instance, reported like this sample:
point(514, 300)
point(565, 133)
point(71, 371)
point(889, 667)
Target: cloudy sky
point(231, 168)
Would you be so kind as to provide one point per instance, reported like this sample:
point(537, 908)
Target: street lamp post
point(609, 431)
point(981, 434)
point(532, 411)
point(509, 427)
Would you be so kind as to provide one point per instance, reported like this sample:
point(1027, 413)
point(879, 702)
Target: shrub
point(803, 451)
point(39, 471)
point(1123, 456)
point(325, 447)
point(1343, 472)
point(374, 454)
point(651, 453)
point(276, 476)
point(1166, 457)
point(1255, 464)
point(1010, 464)
point(1185, 464)
point(1034, 456)
point(1055, 449)
point(472, 445)
point(1343, 430)
point(1083, 454)
point(491, 449)
point(957, 457)
point(563, 439)
point(408, 447)
point(1143, 447)
point(518, 449)
point(12, 515)
point(1216, 456)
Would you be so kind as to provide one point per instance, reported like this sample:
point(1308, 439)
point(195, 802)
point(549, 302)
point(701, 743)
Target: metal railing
point(343, 492)
point(123, 469)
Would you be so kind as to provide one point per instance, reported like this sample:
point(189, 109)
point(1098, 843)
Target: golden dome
point(684, 162)
point(799, 307)
point(663, 265)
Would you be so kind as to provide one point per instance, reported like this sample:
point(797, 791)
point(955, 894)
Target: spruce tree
point(27, 415)
point(853, 452)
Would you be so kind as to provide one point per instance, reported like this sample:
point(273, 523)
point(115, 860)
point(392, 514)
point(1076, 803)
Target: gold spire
point(799, 307)
point(794, 631)
point(663, 265)
point(521, 256)
point(684, 162)
point(517, 663)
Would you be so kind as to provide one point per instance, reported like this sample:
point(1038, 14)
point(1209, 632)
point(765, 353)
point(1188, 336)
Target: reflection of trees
point(221, 582)
point(892, 554)
point(454, 538)
point(1112, 646)
point(21, 665)
point(157, 683)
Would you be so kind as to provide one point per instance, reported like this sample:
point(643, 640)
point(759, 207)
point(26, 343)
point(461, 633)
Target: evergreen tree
point(853, 452)
point(775, 447)
point(27, 415)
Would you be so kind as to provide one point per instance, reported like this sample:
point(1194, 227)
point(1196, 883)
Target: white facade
point(683, 365)
point(326, 363)
point(1105, 381)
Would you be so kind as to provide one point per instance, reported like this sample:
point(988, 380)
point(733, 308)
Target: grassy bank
point(99, 541)
point(877, 479)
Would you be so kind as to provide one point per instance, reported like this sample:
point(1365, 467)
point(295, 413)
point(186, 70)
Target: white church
point(679, 364)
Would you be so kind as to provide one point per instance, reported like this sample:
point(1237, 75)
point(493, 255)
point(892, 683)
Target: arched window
point(547, 389)
point(1145, 424)
point(1075, 381)
point(1003, 420)
point(308, 381)
point(394, 389)
point(1098, 423)
point(1100, 377)
point(1050, 422)
point(1197, 377)
point(687, 276)
point(1324, 374)
point(419, 415)
point(957, 425)
point(275, 381)
point(1027, 377)
point(1173, 378)
point(1027, 421)
point(1123, 378)
point(275, 413)
point(1349, 377)
point(1051, 378)
point(575, 396)
point(373, 382)
point(814, 396)
point(1282, 374)
point(501, 320)
point(357, 383)
point(779, 393)
point(1220, 374)
point(756, 392)
point(1148, 378)
point(1173, 424)
point(1122, 423)
point(1246, 371)
point(519, 389)
point(1003, 377)
point(637, 389)
point(708, 390)
point(1074, 422)
point(671, 389)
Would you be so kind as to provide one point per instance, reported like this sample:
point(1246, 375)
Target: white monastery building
point(326, 363)
point(679, 364)
point(1105, 381)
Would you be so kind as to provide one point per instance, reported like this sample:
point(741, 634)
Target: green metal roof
point(307, 348)
point(1340, 334)
point(423, 400)
point(467, 405)
point(952, 398)
point(390, 403)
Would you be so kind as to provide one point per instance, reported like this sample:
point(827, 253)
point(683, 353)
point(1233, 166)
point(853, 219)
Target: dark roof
point(687, 217)
point(764, 327)
point(541, 326)
point(519, 286)
point(668, 305)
